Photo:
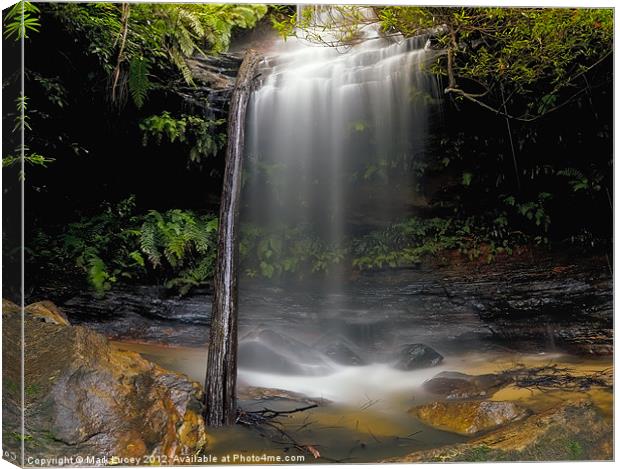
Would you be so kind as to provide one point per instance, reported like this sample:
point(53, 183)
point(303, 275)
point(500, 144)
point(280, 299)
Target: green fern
point(182, 243)
point(139, 83)
point(148, 243)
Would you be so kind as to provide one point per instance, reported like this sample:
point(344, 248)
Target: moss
point(32, 390)
point(575, 450)
point(480, 454)
point(21, 437)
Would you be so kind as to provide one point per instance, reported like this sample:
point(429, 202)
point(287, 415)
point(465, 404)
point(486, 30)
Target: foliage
point(286, 251)
point(182, 243)
point(412, 240)
point(402, 243)
point(104, 246)
point(518, 62)
point(23, 17)
point(23, 152)
point(138, 81)
point(176, 248)
point(132, 40)
point(522, 62)
point(202, 135)
point(327, 25)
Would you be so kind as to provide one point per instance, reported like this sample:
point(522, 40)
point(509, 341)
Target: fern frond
point(148, 243)
point(180, 63)
point(139, 83)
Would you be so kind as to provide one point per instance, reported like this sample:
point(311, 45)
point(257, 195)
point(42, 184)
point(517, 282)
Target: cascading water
point(333, 138)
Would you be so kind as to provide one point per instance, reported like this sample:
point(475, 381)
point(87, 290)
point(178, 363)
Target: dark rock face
point(469, 417)
point(85, 398)
point(214, 77)
point(416, 356)
point(566, 304)
point(455, 385)
point(142, 313)
point(543, 304)
point(571, 431)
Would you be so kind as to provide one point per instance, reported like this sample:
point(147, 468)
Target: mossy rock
point(570, 431)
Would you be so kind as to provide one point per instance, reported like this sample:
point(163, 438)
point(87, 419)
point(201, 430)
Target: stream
point(368, 417)
point(309, 342)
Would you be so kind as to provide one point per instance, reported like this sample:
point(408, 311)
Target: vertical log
point(221, 379)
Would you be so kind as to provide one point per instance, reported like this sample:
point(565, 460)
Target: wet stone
point(416, 356)
point(455, 385)
point(469, 417)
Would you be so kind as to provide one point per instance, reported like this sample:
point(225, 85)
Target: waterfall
point(334, 135)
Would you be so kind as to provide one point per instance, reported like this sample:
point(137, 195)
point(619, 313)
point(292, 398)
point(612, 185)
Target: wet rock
point(547, 304)
point(469, 417)
point(84, 398)
point(45, 311)
point(455, 385)
point(343, 355)
point(48, 312)
point(253, 393)
point(9, 307)
point(256, 356)
point(415, 356)
point(570, 431)
point(149, 302)
point(214, 78)
point(144, 314)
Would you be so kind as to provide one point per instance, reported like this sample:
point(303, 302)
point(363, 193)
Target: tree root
point(267, 423)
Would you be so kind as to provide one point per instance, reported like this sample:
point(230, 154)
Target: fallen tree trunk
point(221, 376)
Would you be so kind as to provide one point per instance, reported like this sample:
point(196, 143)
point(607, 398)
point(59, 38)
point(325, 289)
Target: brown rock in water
point(42, 310)
point(469, 417)
point(84, 398)
point(455, 385)
point(570, 431)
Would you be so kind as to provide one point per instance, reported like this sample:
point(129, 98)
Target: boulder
point(455, 385)
point(9, 307)
point(415, 356)
point(45, 311)
point(85, 398)
point(570, 431)
point(469, 417)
